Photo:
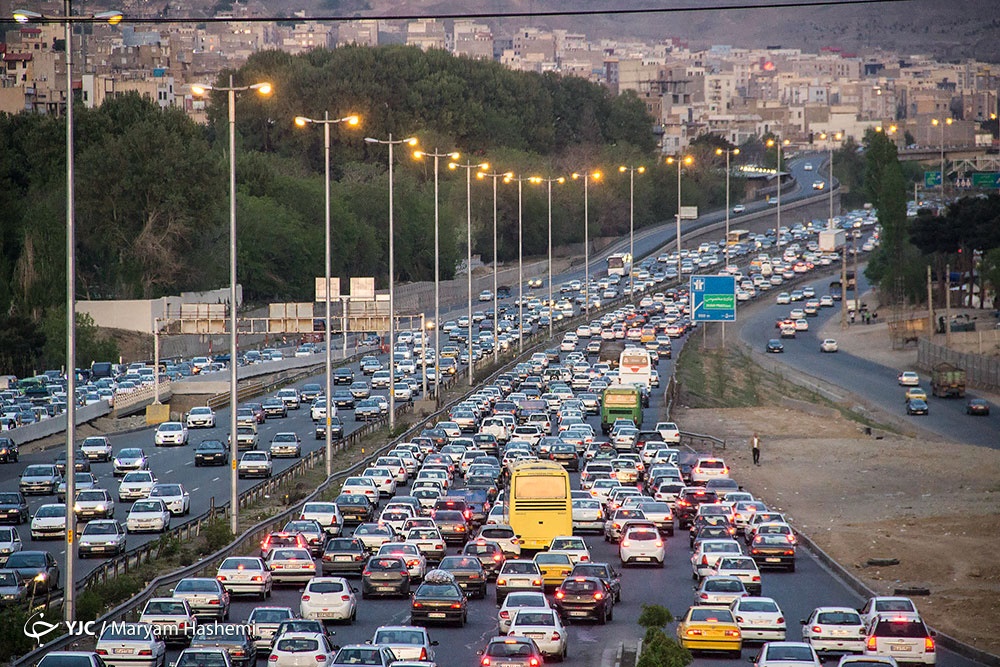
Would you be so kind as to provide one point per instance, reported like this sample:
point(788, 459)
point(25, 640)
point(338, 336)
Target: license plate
point(123, 651)
point(644, 558)
point(899, 648)
point(385, 588)
point(343, 559)
point(436, 614)
point(772, 560)
point(578, 613)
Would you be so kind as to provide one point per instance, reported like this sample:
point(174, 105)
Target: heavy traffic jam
point(543, 504)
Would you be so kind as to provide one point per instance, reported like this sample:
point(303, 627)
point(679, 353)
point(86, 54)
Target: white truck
point(831, 240)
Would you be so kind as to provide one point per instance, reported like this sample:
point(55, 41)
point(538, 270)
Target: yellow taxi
point(916, 392)
point(710, 628)
point(554, 567)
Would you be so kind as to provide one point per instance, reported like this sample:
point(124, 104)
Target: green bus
point(621, 403)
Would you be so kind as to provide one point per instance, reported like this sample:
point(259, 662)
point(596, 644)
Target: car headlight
point(76, 507)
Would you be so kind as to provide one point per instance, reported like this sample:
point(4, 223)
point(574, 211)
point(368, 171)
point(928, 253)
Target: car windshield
point(431, 590)
point(37, 471)
point(758, 605)
point(128, 632)
point(47, 511)
point(838, 618)
point(9, 499)
point(724, 585)
point(894, 605)
point(789, 653)
point(269, 615)
point(711, 615)
point(357, 656)
point(130, 454)
point(164, 607)
point(8, 578)
point(201, 659)
point(399, 636)
point(91, 495)
point(325, 587)
point(534, 618)
point(100, 529)
point(509, 648)
point(240, 564)
point(297, 645)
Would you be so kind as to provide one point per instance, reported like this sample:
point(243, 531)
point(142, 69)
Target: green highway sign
point(932, 179)
point(986, 180)
point(713, 298)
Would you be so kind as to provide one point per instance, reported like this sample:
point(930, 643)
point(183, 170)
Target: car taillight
point(320, 657)
point(214, 602)
point(239, 653)
point(220, 577)
point(486, 661)
point(928, 644)
point(732, 633)
point(560, 595)
point(504, 614)
point(366, 573)
point(102, 651)
point(534, 662)
point(693, 632)
point(305, 598)
point(257, 577)
point(872, 644)
point(598, 595)
point(704, 560)
point(536, 582)
point(145, 651)
point(625, 543)
point(817, 629)
point(272, 658)
point(704, 596)
point(755, 578)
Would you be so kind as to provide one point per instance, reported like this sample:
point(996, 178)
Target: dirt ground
point(932, 504)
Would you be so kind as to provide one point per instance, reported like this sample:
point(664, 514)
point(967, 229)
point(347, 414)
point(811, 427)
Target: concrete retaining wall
point(57, 424)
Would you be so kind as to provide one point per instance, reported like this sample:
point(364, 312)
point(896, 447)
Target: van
point(101, 369)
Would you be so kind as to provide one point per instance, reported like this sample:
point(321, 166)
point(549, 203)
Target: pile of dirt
point(933, 505)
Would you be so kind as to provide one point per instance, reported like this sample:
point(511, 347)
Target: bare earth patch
point(934, 505)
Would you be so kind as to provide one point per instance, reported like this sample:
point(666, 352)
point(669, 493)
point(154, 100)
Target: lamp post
point(586, 176)
point(262, 88)
point(391, 143)
point(941, 124)
point(548, 183)
point(680, 162)
point(729, 152)
point(837, 137)
point(520, 258)
point(496, 306)
point(326, 122)
point(632, 171)
point(437, 272)
point(779, 143)
point(114, 18)
point(469, 167)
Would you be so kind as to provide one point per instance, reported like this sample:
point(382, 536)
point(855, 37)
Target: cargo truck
point(831, 240)
point(948, 380)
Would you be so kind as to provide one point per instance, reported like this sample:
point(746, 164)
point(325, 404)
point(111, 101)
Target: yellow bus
point(539, 503)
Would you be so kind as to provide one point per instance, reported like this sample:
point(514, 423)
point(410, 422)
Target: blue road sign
point(932, 179)
point(713, 298)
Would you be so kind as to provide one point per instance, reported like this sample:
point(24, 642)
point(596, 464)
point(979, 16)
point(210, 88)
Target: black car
point(453, 526)
point(917, 406)
point(355, 508)
point(344, 555)
point(486, 443)
point(234, 637)
point(343, 375)
point(80, 462)
point(975, 406)
point(8, 451)
point(437, 436)
point(211, 453)
point(38, 569)
point(438, 599)
point(565, 454)
point(720, 531)
point(468, 572)
point(772, 550)
point(343, 398)
point(687, 504)
point(602, 571)
point(13, 507)
point(336, 429)
point(385, 576)
point(274, 407)
point(489, 553)
point(775, 345)
point(586, 598)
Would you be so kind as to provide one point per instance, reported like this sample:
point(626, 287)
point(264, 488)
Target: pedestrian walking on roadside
point(755, 448)
point(852, 317)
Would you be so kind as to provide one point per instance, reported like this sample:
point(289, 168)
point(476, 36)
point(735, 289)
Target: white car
point(486, 295)
point(201, 417)
point(908, 379)
point(129, 459)
point(136, 485)
point(407, 642)
point(170, 433)
point(784, 298)
point(241, 575)
point(516, 600)
point(93, 504)
point(361, 486)
point(49, 522)
point(641, 544)
point(708, 468)
point(290, 564)
point(739, 208)
point(97, 448)
point(883, 605)
point(574, 547)
point(174, 496)
point(290, 397)
point(329, 598)
point(402, 390)
point(828, 345)
point(707, 554)
point(172, 619)
point(834, 630)
point(759, 618)
point(786, 654)
point(293, 649)
point(669, 432)
point(131, 645)
point(544, 627)
point(384, 480)
point(254, 464)
point(104, 537)
point(149, 515)
point(905, 639)
point(325, 514)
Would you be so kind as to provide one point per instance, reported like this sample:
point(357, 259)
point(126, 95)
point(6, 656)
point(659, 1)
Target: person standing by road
point(755, 448)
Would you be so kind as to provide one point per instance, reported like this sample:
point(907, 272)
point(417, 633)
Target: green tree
point(659, 650)
point(21, 345)
point(91, 344)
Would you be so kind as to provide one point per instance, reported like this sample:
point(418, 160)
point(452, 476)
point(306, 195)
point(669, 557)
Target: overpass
point(960, 159)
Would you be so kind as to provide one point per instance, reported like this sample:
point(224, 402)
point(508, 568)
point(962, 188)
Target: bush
point(102, 596)
point(655, 616)
point(217, 534)
point(13, 642)
point(659, 650)
point(169, 546)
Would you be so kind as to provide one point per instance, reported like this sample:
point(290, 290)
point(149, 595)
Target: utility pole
point(930, 305)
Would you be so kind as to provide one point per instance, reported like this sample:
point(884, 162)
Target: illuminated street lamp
point(729, 152)
point(437, 271)
point(632, 171)
point(469, 167)
point(496, 305)
point(680, 162)
point(391, 143)
point(548, 182)
point(262, 88)
point(779, 145)
point(326, 122)
point(114, 18)
point(941, 124)
point(586, 176)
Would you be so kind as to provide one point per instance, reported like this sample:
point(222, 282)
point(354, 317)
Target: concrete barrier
point(57, 424)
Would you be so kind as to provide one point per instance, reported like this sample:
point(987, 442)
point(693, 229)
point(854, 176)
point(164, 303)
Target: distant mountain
point(948, 30)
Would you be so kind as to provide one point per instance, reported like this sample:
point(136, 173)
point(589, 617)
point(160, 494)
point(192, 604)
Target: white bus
point(620, 264)
point(634, 366)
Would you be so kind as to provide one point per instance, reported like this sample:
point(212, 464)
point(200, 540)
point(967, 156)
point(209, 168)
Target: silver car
point(10, 542)
point(129, 459)
point(206, 597)
point(40, 478)
point(97, 448)
point(93, 504)
point(243, 575)
point(104, 537)
point(131, 645)
point(136, 485)
point(286, 444)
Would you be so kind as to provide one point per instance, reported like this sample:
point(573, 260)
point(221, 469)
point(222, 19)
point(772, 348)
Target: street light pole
point(520, 258)
point(496, 306)
point(326, 122)
point(631, 220)
point(469, 167)
point(778, 144)
point(729, 153)
point(548, 182)
point(680, 161)
point(231, 90)
point(112, 17)
point(586, 176)
point(437, 271)
point(941, 124)
point(412, 141)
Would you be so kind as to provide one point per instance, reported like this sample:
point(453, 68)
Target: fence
point(981, 371)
